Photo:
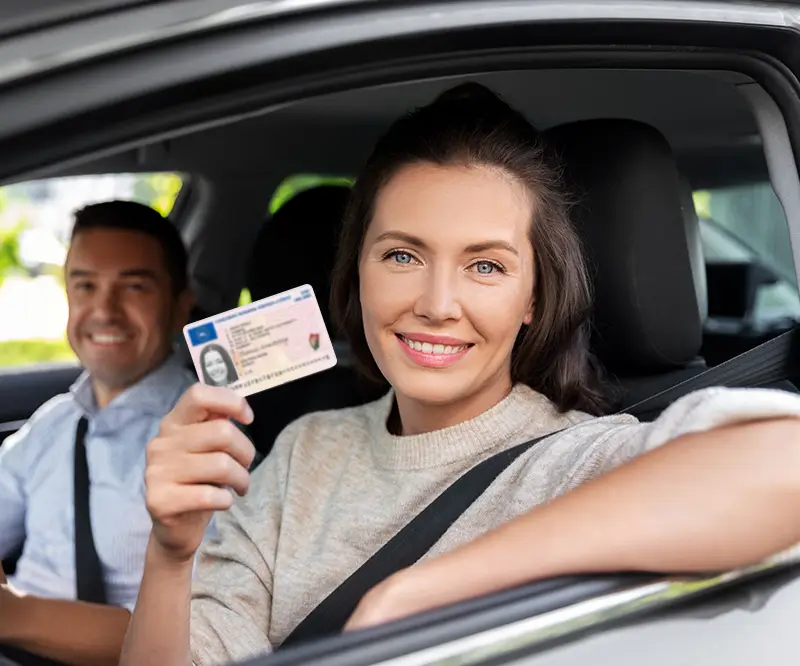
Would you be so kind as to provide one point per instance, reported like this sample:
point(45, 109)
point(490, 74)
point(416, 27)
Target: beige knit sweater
point(338, 485)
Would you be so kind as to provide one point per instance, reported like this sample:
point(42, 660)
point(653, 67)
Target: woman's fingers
point(217, 435)
point(168, 502)
point(215, 468)
point(202, 402)
point(194, 463)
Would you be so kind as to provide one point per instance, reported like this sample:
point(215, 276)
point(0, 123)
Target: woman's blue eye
point(402, 257)
point(486, 267)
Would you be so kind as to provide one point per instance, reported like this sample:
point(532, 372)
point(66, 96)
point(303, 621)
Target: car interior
point(636, 146)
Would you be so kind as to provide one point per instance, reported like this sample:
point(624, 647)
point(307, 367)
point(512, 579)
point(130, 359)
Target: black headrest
point(298, 245)
point(629, 213)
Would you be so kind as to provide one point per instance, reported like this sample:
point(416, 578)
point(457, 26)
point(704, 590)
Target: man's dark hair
point(134, 216)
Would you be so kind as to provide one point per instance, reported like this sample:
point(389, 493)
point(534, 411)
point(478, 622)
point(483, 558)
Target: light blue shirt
point(37, 485)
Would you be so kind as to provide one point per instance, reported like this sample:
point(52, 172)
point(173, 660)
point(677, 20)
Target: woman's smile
point(433, 351)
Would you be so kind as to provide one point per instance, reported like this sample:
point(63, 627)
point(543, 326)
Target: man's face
point(122, 312)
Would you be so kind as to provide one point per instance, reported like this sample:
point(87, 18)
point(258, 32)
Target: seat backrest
point(298, 246)
point(642, 243)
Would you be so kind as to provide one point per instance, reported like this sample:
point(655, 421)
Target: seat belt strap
point(407, 546)
point(88, 570)
point(770, 362)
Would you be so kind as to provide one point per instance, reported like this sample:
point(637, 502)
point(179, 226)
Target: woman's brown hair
point(471, 126)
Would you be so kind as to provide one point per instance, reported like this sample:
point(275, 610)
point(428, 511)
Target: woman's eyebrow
point(403, 237)
point(491, 245)
point(410, 239)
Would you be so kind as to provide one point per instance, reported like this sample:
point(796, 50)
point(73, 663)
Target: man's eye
point(83, 286)
point(135, 286)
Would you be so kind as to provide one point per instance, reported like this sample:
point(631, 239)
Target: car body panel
point(50, 60)
point(741, 630)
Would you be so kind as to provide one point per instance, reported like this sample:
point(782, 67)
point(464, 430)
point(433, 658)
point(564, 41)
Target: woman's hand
point(196, 458)
point(423, 587)
point(389, 600)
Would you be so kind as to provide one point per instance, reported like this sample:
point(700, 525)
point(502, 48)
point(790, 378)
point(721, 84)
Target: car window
point(747, 224)
point(35, 225)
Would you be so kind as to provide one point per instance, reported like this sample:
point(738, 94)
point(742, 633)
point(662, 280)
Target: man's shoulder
point(53, 410)
point(179, 380)
point(49, 418)
point(156, 393)
point(175, 375)
point(177, 383)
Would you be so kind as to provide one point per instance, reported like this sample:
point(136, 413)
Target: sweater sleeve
point(699, 412)
point(232, 589)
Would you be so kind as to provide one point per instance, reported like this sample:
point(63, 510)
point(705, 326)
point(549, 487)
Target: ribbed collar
point(522, 409)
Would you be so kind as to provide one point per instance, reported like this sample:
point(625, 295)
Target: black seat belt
point(407, 546)
point(88, 570)
point(770, 362)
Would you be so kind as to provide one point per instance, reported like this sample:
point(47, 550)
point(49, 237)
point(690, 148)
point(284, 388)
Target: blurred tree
point(158, 190)
point(9, 243)
point(702, 204)
point(302, 181)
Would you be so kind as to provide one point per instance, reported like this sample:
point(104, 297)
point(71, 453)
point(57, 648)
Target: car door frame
point(405, 28)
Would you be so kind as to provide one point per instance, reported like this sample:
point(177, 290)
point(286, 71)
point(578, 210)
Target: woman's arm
point(197, 455)
point(716, 500)
point(159, 632)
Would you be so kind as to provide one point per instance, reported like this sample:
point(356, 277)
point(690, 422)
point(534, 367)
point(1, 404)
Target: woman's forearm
point(713, 501)
point(158, 634)
point(717, 500)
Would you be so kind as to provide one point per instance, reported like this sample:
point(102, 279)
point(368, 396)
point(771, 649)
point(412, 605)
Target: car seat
point(298, 246)
point(643, 245)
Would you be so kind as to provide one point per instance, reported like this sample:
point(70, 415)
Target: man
point(71, 480)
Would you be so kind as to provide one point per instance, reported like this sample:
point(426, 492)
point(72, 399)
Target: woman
point(459, 280)
point(217, 366)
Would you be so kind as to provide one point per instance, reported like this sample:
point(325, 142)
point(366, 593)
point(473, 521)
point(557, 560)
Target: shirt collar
point(147, 395)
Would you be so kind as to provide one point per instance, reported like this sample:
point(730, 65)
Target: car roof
point(704, 118)
point(17, 16)
point(38, 36)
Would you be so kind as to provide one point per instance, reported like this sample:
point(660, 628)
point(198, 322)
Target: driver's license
point(263, 344)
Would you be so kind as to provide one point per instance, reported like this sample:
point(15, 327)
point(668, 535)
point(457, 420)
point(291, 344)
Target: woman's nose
point(439, 299)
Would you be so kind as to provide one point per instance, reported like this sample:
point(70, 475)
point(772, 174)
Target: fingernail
point(248, 413)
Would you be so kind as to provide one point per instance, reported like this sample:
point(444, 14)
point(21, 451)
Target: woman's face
point(215, 367)
point(446, 276)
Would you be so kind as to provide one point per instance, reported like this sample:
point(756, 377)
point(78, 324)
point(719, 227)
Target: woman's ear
point(528, 318)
